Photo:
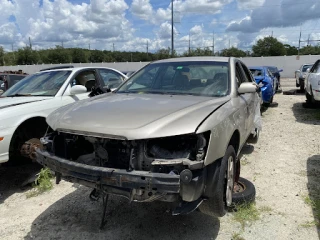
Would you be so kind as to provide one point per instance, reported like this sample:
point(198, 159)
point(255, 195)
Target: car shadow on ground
point(306, 113)
point(75, 216)
point(313, 174)
point(13, 177)
point(293, 92)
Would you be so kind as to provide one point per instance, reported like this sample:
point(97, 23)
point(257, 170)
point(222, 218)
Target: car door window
point(246, 73)
point(239, 75)
point(316, 68)
point(85, 78)
point(111, 79)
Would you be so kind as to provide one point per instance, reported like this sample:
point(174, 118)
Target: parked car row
point(171, 132)
point(308, 79)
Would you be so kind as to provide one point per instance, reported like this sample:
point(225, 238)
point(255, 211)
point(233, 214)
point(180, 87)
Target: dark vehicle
point(276, 73)
point(8, 80)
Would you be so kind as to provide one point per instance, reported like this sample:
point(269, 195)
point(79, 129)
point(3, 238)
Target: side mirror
point(77, 89)
point(247, 87)
point(308, 70)
point(280, 70)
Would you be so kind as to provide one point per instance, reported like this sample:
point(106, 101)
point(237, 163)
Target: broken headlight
point(190, 146)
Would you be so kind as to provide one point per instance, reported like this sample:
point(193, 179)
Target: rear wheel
point(301, 86)
point(221, 196)
point(244, 192)
point(310, 98)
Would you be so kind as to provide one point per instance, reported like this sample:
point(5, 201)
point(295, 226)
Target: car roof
point(77, 68)
point(195, 59)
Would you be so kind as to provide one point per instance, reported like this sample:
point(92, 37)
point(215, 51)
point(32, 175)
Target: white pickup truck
point(24, 107)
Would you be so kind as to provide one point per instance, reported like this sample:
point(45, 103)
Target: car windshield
point(39, 84)
point(305, 67)
point(181, 78)
point(256, 72)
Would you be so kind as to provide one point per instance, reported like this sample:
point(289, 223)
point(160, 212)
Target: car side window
point(85, 78)
point(111, 79)
point(247, 73)
point(316, 67)
point(240, 79)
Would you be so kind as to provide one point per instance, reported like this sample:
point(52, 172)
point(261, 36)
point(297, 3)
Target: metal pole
point(189, 45)
point(172, 45)
point(213, 44)
point(299, 44)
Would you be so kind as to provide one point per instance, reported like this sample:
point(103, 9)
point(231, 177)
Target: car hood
point(6, 102)
point(135, 116)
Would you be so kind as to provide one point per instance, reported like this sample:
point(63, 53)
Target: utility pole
point(147, 48)
point(172, 39)
point(299, 43)
point(189, 45)
point(272, 34)
point(62, 44)
point(229, 42)
point(113, 47)
point(308, 40)
point(213, 44)
point(30, 43)
point(89, 46)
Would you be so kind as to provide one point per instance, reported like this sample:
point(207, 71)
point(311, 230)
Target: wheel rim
point(230, 181)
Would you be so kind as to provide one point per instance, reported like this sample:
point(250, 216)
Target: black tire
point(247, 195)
point(254, 138)
point(309, 98)
point(297, 84)
point(301, 86)
point(216, 204)
point(266, 104)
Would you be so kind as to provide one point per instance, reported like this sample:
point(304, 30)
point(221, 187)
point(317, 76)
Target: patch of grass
point(315, 205)
point(237, 236)
point(309, 224)
point(42, 183)
point(265, 209)
point(244, 162)
point(246, 213)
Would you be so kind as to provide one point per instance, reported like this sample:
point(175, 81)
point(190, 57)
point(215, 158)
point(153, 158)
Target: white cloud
point(250, 4)
point(278, 14)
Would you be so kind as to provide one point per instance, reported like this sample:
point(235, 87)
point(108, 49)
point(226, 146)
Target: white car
point(24, 107)
point(312, 83)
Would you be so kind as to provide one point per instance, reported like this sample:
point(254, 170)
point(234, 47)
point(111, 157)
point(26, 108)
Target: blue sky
point(132, 24)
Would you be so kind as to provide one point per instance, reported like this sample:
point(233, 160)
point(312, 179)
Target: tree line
point(268, 46)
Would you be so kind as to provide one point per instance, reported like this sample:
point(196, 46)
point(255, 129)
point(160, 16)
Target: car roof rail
point(59, 67)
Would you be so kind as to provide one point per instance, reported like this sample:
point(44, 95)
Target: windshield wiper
point(20, 95)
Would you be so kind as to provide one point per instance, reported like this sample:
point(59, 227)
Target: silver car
point(172, 132)
point(301, 74)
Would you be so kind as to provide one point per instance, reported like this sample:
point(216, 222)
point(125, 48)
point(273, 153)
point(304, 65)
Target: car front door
point(248, 99)
point(313, 76)
point(110, 78)
point(88, 78)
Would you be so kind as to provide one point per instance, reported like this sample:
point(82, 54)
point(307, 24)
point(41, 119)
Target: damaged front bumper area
point(168, 169)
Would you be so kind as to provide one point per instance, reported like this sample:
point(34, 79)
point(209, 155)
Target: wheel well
point(34, 127)
point(235, 141)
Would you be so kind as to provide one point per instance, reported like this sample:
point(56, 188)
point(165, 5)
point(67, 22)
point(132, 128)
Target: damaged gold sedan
point(172, 132)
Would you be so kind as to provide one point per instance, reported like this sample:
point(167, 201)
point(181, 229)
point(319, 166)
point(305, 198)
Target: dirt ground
point(284, 166)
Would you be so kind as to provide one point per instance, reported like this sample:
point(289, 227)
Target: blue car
point(266, 81)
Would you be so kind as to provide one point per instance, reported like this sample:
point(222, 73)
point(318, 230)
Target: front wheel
point(221, 194)
point(301, 86)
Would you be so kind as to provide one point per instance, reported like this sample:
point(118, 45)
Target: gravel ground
point(284, 166)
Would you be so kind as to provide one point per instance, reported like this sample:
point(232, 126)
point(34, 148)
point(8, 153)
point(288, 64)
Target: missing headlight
point(189, 146)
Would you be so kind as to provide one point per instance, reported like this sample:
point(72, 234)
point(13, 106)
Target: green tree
point(163, 53)
point(268, 46)
point(59, 55)
point(79, 55)
point(232, 52)
point(96, 56)
point(290, 50)
point(27, 56)
point(2, 60)
point(313, 50)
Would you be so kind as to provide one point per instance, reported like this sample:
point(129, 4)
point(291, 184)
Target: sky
point(138, 25)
